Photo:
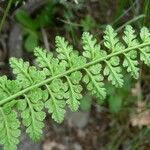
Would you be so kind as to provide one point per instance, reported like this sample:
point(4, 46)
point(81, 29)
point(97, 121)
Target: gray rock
point(78, 119)
point(28, 144)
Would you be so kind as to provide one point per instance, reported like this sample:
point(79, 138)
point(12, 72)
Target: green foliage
point(113, 71)
point(44, 18)
point(111, 40)
point(57, 82)
point(146, 12)
point(92, 50)
point(32, 114)
point(119, 98)
point(24, 18)
point(55, 104)
point(9, 123)
point(115, 103)
point(86, 102)
point(32, 26)
point(93, 77)
point(145, 52)
point(73, 94)
point(31, 42)
point(9, 129)
point(88, 23)
point(130, 60)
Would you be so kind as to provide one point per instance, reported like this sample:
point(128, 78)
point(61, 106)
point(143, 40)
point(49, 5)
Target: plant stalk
point(5, 15)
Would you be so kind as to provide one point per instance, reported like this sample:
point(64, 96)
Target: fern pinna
point(56, 83)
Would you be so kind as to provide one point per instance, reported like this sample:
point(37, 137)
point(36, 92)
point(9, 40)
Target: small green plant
point(56, 83)
point(88, 23)
point(32, 26)
point(121, 98)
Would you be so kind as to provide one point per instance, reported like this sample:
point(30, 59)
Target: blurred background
point(122, 121)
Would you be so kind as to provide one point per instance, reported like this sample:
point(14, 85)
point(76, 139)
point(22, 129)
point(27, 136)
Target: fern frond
point(57, 80)
point(9, 128)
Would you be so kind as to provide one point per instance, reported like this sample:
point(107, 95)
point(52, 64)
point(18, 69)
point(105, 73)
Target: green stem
point(31, 109)
point(70, 85)
point(111, 70)
point(131, 21)
point(94, 82)
point(131, 64)
point(53, 99)
point(5, 14)
point(72, 93)
point(70, 71)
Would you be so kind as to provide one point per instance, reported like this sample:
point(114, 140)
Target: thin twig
point(122, 15)
point(8, 16)
point(70, 23)
point(45, 39)
point(5, 14)
point(130, 21)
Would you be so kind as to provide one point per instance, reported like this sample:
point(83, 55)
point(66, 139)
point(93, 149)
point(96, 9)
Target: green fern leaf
point(72, 60)
point(145, 55)
point(32, 114)
point(27, 75)
point(145, 52)
point(130, 37)
point(113, 71)
point(131, 63)
point(7, 88)
point(92, 50)
point(21, 69)
point(145, 34)
point(3, 90)
point(93, 79)
point(111, 40)
point(9, 129)
point(64, 50)
point(66, 53)
point(130, 60)
point(44, 59)
point(73, 94)
point(55, 103)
